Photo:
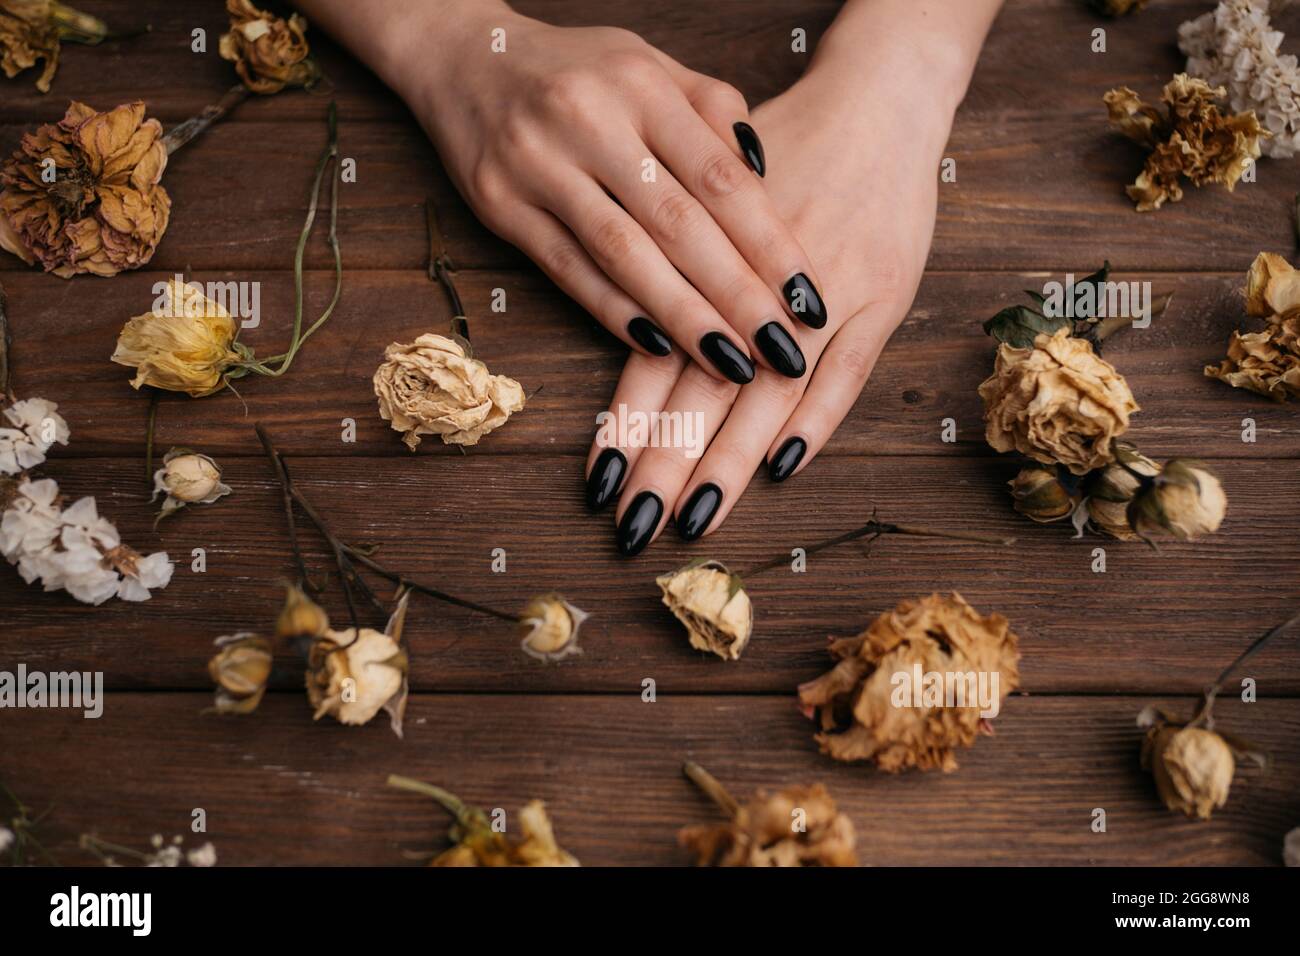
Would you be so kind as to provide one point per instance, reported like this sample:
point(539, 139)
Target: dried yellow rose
point(187, 477)
point(1193, 768)
point(300, 616)
point(550, 626)
point(351, 676)
point(269, 53)
point(797, 826)
point(712, 604)
point(432, 387)
point(1186, 501)
point(1268, 361)
point(1057, 402)
point(240, 669)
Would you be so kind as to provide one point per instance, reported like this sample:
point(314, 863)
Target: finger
point(643, 389)
point(693, 413)
point(554, 248)
point(723, 107)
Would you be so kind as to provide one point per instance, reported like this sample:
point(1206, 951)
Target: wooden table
point(1038, 193)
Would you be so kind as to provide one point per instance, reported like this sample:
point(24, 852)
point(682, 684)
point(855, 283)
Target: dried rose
point(550, 627)
point(1272, 287)
point(269, 53)
point(1267, 362)
point(1193, 140)
point(105, 210)
point(31, 30)
point(300, 616)
point(712, 604)
point(1117, 8)
point(352, 677)
point(860, 707)
point(432, 387)
point(798, 826)
point(1057, 402)
point(1039, 494)
point(240, 669)
point(1192, 767)
point(1186, 500)
point(186, 477)
point(1112, 488)
point(186, 345)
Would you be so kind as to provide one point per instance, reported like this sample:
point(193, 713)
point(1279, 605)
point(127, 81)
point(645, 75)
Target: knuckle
point(722, 174)
point(780, 390)
point(488, 187)
point(562, 259)
point(716, 391)
point(856, 360)
point(567, 93)
point(731, 459)
point(612, 239)
point(675, 216)
point(634, 67)
point(723, 99)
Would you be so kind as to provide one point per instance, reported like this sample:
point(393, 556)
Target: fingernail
point(805, 304)
point(639, 523)
point(649, 336)
point(751, 147)
point(781, 350)
point(787, 459)
point(699, 511)
point(730, 361)
point(605, 478)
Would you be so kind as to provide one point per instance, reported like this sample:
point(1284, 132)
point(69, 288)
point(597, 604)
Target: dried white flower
point(1235, 46)
point(186, 477)
point(205, 855)
point(6, 839)
point(36, 426)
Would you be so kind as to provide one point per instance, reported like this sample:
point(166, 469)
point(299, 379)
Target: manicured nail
point(639, 523)
point(804, 302)
point(699, 511)
point(649, 336)
point(605, 478)
point(730, 361)
point(781, 350)
point(786, 459)
point(751, 147)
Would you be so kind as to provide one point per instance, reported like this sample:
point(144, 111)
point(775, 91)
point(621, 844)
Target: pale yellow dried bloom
point(1192, 767)
point(550, 626)
point(798, 826)
point(712, 604)
point(187, 345)
point(351, 676)
point(1040, 495)
point(269, 53)
point(1187, 501)
point(1112, 488)
point(240, 669)
point(187, 477)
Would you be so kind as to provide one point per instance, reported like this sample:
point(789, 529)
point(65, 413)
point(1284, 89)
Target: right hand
point(620, 173)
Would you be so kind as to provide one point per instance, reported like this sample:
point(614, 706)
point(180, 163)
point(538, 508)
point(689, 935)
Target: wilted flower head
point(550, 627)
point(188, 345)
point(855, 703)
point(187, 477)
point(30, 30)
point(1040, 494)
point(240, 669)
point(798, 826)
point(300, 616)
point(1057, 402)
point(1111, 489)
point(1267, 362)
point(104, 211)
point(1186, 500)
point(1192, 767)
point(1272, 287)
point(36, 427)
point(269, 53)
point(712, 604)
point(433, 387)
point(351, 676)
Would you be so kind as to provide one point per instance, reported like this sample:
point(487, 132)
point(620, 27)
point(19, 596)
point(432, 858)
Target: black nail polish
point(699, 511)
point(649, 336)
point(729, 360)
point(781, 350)
point(786, 459)
point(606, 477)
point(804, 302)
point(639, 523)
point(751, 147)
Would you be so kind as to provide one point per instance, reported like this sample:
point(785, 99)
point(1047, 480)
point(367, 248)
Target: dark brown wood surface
point(1039, 192)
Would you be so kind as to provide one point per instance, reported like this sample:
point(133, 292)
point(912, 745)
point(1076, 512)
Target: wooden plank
point(279, 791)
point(930, 371)
point(1152, 623)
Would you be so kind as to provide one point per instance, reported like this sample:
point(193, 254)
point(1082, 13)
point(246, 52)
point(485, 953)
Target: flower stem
point(179, 135)
point(441, 270)
point(5, 391)
point(148, 438)
point(449, 801)
point(711, 786)
point(1211, 694)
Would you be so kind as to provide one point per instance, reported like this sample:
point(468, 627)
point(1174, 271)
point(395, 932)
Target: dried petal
point(712, 604)
point(550, 625)
point(798, 826)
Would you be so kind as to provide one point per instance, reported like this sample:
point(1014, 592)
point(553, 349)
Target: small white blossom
point(7, 839)
point(36, 426)
point(205, 855)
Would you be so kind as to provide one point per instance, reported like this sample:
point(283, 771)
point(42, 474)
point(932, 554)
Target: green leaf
point(1019, 325)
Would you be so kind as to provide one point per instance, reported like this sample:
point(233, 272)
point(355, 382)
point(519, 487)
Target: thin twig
point(712, 787)
point(441, 270)
point(148, 437)
point(1213, 692)
point(282, 476)
point(179, 135)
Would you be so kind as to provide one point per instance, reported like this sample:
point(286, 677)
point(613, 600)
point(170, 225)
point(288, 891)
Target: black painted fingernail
point(729, 360)
point(751, 147)
point(649, 336)
point(699, 511)
point(786, 459)
point(639, 523)
point(804, 302)
point(781, 350)
point(606, 477)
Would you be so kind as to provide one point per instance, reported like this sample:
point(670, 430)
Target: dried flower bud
point(1039, 494)
point(105, 211)
point(798, 826)
point(269, 53)
point(30, 30)
point(1267, 362)
point(1057, 402)
point(351, 676)
point(1192, 767)
point(1111, 489)
point(433, 387)
point(240, 669)
point(916, 685)
point(550, 627)
point(187, 477)
point(1186, 501)
point(300, 616)
point(1272, 287)
point(712, 604)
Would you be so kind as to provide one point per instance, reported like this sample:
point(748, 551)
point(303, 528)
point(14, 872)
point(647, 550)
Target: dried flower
point(240, 669)
point(161, 852)
point(1291, 848)
point(1040, 494)
point(712, 604)
point(1193, 767)
point(1267, 362)
point(351, 676)
point(204, 856)
point(1236, 47)
point(479, 844)
point(550, 627)
point(6, 839)
point(1185, 500)
point(1057, 402)
point(860, 705)
point(1272, 287)
point(300, 616)
point(31, 30)
point(188, 477)
point(186, 344)
point(37, 426)
point(1194, 140)
point(1117, 8)
point(105, 210)
point(1111, 489)
point(269, 53)
point(433, 387)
